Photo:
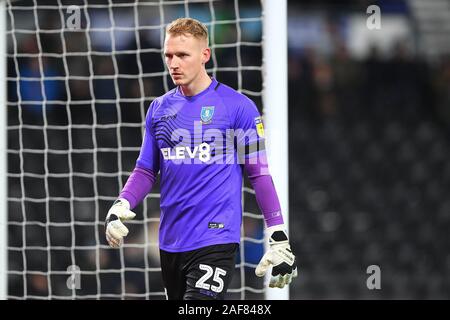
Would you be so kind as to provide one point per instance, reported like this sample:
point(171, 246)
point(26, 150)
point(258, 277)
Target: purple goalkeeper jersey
point(194, 143)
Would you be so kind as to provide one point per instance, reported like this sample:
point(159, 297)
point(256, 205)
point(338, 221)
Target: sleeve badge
point(259, 127)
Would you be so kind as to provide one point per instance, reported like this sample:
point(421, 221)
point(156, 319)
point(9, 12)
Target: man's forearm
point(138, 185)
point(266, 195)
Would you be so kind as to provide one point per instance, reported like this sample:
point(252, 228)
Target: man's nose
point(174, 63)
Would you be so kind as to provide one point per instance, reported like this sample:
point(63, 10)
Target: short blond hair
point(183, 26)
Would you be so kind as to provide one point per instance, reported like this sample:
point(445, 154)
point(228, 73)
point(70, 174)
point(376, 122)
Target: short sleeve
point(249, 130)
point(149, 153)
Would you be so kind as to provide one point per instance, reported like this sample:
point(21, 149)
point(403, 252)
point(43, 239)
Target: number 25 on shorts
point(218, 272)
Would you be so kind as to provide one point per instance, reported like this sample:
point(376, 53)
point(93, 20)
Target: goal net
point(80, 77)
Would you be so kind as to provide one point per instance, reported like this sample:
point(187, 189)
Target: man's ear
point(206, 55)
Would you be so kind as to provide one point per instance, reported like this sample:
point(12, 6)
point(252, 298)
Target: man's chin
point(178, 82)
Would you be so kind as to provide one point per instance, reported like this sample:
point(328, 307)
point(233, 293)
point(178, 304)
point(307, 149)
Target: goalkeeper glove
point(115, 229)
point(280, 256)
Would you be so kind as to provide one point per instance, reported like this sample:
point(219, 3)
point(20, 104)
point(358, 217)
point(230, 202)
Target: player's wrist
point(277, 234)
point(116, 208)
point(122, 202)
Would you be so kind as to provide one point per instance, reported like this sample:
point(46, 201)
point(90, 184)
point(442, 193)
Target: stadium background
point(369, 117)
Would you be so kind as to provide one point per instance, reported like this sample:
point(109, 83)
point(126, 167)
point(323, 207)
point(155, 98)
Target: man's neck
point(196, 86)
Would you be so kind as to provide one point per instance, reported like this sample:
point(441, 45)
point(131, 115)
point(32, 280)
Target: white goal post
point(3, 159)
point(275, 98)
point(51, 277)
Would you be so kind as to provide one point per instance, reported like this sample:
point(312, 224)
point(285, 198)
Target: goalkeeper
point(201, 211)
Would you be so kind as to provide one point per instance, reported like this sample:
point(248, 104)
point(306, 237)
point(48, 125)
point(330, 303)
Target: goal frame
point(3, 158)
point(275, 102)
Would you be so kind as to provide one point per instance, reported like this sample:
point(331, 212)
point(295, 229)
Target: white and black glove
point(115, 229)
point(280, 257)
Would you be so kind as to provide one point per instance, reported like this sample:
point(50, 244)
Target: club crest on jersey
point(206, 114)
point(259, 127)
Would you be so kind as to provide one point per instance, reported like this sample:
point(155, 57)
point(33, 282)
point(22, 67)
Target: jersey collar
point(212, 86)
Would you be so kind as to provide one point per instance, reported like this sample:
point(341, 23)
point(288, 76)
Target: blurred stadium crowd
point(369, 171)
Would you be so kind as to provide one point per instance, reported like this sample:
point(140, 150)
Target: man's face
point(185, 57)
